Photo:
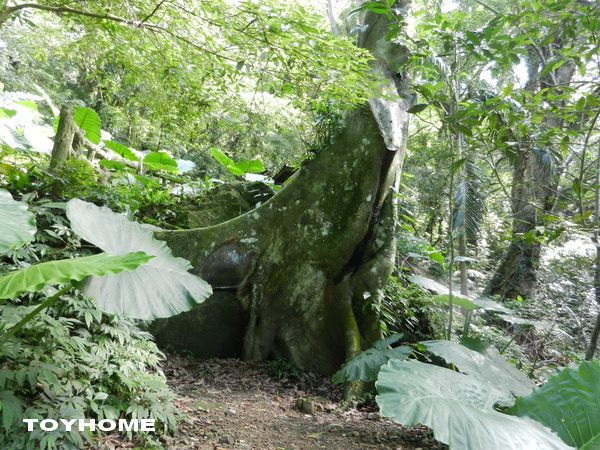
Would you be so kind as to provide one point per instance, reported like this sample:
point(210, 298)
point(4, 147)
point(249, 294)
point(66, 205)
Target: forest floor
point(236, 405)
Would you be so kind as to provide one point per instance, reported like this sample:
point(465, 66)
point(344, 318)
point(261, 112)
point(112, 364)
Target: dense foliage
point(498, 207)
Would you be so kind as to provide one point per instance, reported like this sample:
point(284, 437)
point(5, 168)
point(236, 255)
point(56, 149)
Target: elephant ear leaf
point(35, 277)
point(161, 288)
point(569, 404)
point(365, 366)
point(17, 224)
point(89, 121)
point(496, 372)
point(457, 407)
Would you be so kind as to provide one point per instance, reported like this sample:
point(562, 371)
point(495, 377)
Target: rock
point(355, 434)
point(230, 412)
point(306, 405)
point(228, 266)
point(167, 440)
point(322, 392)
point(227, 439)
point(373, 416)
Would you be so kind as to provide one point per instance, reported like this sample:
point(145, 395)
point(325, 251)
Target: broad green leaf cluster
point(462, 402)
point(83, 362)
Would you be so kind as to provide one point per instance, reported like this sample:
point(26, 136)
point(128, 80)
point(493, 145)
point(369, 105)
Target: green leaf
point(121, 150)
point(458, 164)
point(503, 376)
point(34, 278)
point(17, 224)
point(427, 283)
point(239, 168)
point(417, 108)
point(6, 113)
point(144, 180)
point(490, 305)
point(457, 300)
point(377, 7)
point(471, 36)
point(161, 288)
point(246, 166)
point(464, 259)
point(89, 121)
point(160, 161)
point(569, 404)
point(365, 366)
point(11, 409)
point(522, 321)
point(550, 66)
point(109, 164)
point(457, 407)
point(28, 104)
point(221, 158)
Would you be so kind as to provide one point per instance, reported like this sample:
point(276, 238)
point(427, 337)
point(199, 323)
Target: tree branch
point(4, 14)
point(486, 6)
point(145, 19)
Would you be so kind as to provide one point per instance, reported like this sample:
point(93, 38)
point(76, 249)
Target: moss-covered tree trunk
point(303, 264)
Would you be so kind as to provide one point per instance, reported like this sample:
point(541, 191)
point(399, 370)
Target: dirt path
point(237, 405)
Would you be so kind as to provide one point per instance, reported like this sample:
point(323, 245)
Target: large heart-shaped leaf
point(161, 288)
point(121, 150)
point(221, 158)
point(238, 168)
point(457, 300)
point(528, 322)
point(246, 166)
point(457, 407)
point(160, 161)
point(34, 278)
point(89, 121)
point(365, 366)
point(428, 284)
point(17, 224)
point(483, 368)
point(569, 404)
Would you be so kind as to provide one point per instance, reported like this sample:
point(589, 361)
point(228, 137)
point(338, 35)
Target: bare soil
point(238, 405)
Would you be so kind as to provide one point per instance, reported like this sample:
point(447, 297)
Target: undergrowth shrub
point(406, 309)
point(73, 361)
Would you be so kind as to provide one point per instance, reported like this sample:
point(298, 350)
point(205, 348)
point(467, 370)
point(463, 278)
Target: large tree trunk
point(303, 264)
point(534, 185)
point(533, 195)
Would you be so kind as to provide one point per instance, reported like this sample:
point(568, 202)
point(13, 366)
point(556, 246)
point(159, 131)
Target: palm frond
point(469, 202)
point(545, 159)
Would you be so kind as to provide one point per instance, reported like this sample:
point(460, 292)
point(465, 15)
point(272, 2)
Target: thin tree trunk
point(63, 141)
point(589, 354)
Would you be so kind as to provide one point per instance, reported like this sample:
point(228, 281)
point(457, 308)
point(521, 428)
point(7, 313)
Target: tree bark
point(324, 244)
point(63, 142)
